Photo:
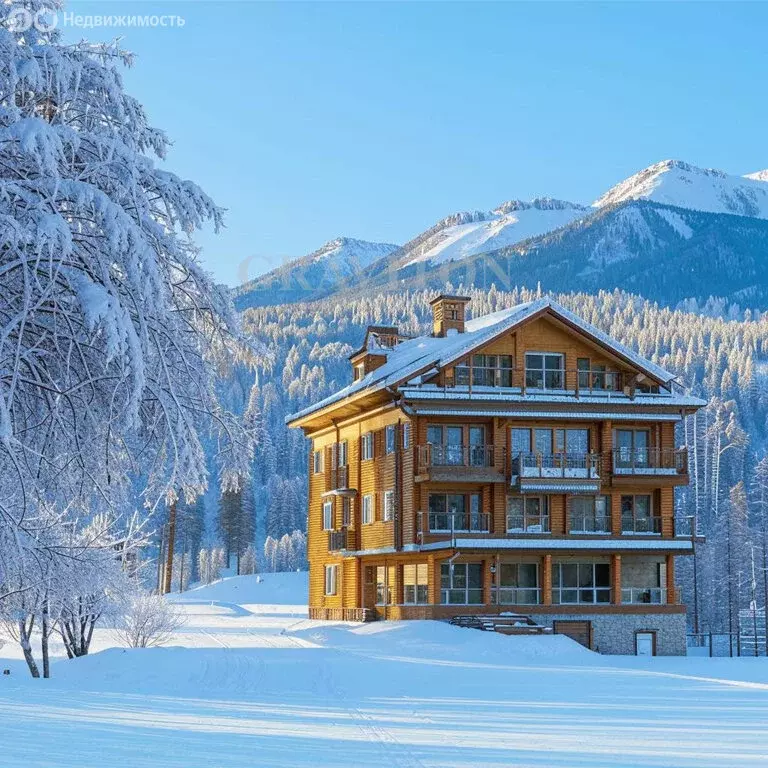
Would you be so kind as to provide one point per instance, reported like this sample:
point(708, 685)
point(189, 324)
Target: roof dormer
point(379, 339)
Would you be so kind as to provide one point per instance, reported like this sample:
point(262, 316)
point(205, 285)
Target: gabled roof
point(415, 356)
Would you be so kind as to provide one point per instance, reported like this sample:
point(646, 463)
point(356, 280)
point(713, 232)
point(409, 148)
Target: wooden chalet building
point(519, 462)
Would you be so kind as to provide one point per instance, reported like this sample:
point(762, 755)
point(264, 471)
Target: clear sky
point(310, 121)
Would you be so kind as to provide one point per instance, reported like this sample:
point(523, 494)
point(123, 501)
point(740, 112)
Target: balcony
point(644, 526)
point(651, 464)
point(336, 479)
point(450, 523)
point(522, 523)
point(460, 463)
point(643, 596)
point(556, 472)
point(590, 523)
point(337, 540)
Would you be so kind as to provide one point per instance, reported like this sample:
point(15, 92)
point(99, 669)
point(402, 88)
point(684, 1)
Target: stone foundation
point(615, 633)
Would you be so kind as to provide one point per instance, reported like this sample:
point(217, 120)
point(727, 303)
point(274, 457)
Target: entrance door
point(645, 644)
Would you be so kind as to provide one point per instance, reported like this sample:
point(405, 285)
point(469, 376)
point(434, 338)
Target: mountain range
point(672, 232)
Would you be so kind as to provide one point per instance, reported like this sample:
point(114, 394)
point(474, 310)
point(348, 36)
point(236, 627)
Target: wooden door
point(580, 631)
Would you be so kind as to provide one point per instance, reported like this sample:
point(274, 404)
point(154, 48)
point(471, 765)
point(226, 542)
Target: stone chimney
point(448, 313)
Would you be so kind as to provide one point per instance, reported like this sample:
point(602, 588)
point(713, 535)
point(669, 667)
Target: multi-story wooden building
point(518, 462)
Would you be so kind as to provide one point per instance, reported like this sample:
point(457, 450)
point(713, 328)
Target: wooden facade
point(426, 501)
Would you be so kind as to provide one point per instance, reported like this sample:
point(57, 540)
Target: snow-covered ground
point(251, 682)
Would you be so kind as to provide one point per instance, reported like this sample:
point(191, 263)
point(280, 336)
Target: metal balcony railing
point(650, 461)
point(644, 595)
point(685, 526)
point(642, 525)
point(336, 478)
point(556, 465)
point(469, 456)
point(590, 523)
point(528, 523)
point(450, 522)
point(337, 540)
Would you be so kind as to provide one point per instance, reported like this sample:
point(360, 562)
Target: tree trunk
point(181, 569)
point(160, 560)
point(26, 647)
point(44, 634)
point(169, 555)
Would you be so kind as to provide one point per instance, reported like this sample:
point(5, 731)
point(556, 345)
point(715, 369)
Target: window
point(330, 579)
point(328, 516)
point(368, 508)
point(383, 589)
point(317, 462)
point(389, 438)
point(456, 512)
point(574, 583)
point(346, 511)
point(527, 514)
point(359, 371)
point(406, 435)
point(461, 584)
point(595, 376)
point(366, 446)
point(632, 448)
point(486, 371)
point(518, 584)
point(341, 454)
point(389, 506)
point(544, 370)
point(637, 515)
point(590, 514)
point(446, 444)
point(415, 590)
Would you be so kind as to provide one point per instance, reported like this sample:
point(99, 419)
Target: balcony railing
point(590, 523)
point(451, 522)
point(516, 595)
point(528, 523)
point(650, 461)
point(480, 456)
point(556, 465)
point(685, 526)
point(644, 595)
point(337, 540)
point(337, 478)
point(642, 525)
point(579, 381)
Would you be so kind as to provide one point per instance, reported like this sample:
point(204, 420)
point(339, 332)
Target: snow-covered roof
point(565, 544)
point(413, 356)
point(567, 415)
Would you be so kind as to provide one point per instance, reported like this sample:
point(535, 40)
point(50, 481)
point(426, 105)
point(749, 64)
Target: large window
point(518, 584)
point(368, 508)
point(461, 584)
point(346, 511)
point(456, 512)
point(328, 516)
point(590, 514)
point(317, 462)
point(341, 454)
point(632, 448)
point(366, 446)
point(446, 444)
point(574, 583)
point(415, 579)
point(487, 371)
point(406, 435)
point(330, 579)
point(389, 506)
point(637, 515)
point(527, 514)
point(544, 370)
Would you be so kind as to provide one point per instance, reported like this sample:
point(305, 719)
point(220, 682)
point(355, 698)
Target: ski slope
point(251, 682)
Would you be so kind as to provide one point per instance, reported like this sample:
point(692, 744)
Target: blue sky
point(309, 121)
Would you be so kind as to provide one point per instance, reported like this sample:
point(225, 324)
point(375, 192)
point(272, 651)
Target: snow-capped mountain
point(467, 234)
point(673, 182)
point(758, 175)
point(334, 264)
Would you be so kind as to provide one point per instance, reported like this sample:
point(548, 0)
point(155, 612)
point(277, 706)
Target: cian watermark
point(21, 19)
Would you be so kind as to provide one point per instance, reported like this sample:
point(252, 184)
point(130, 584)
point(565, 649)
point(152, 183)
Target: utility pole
point(169, 555)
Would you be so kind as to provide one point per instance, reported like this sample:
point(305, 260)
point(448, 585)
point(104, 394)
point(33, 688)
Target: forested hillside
point(724, 360)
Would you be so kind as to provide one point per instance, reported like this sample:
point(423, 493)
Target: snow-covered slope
point(673, 182)
point(757, 175)
point(467, 234)
point(328, 268)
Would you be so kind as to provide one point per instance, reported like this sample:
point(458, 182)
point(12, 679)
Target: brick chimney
point(448, 312)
